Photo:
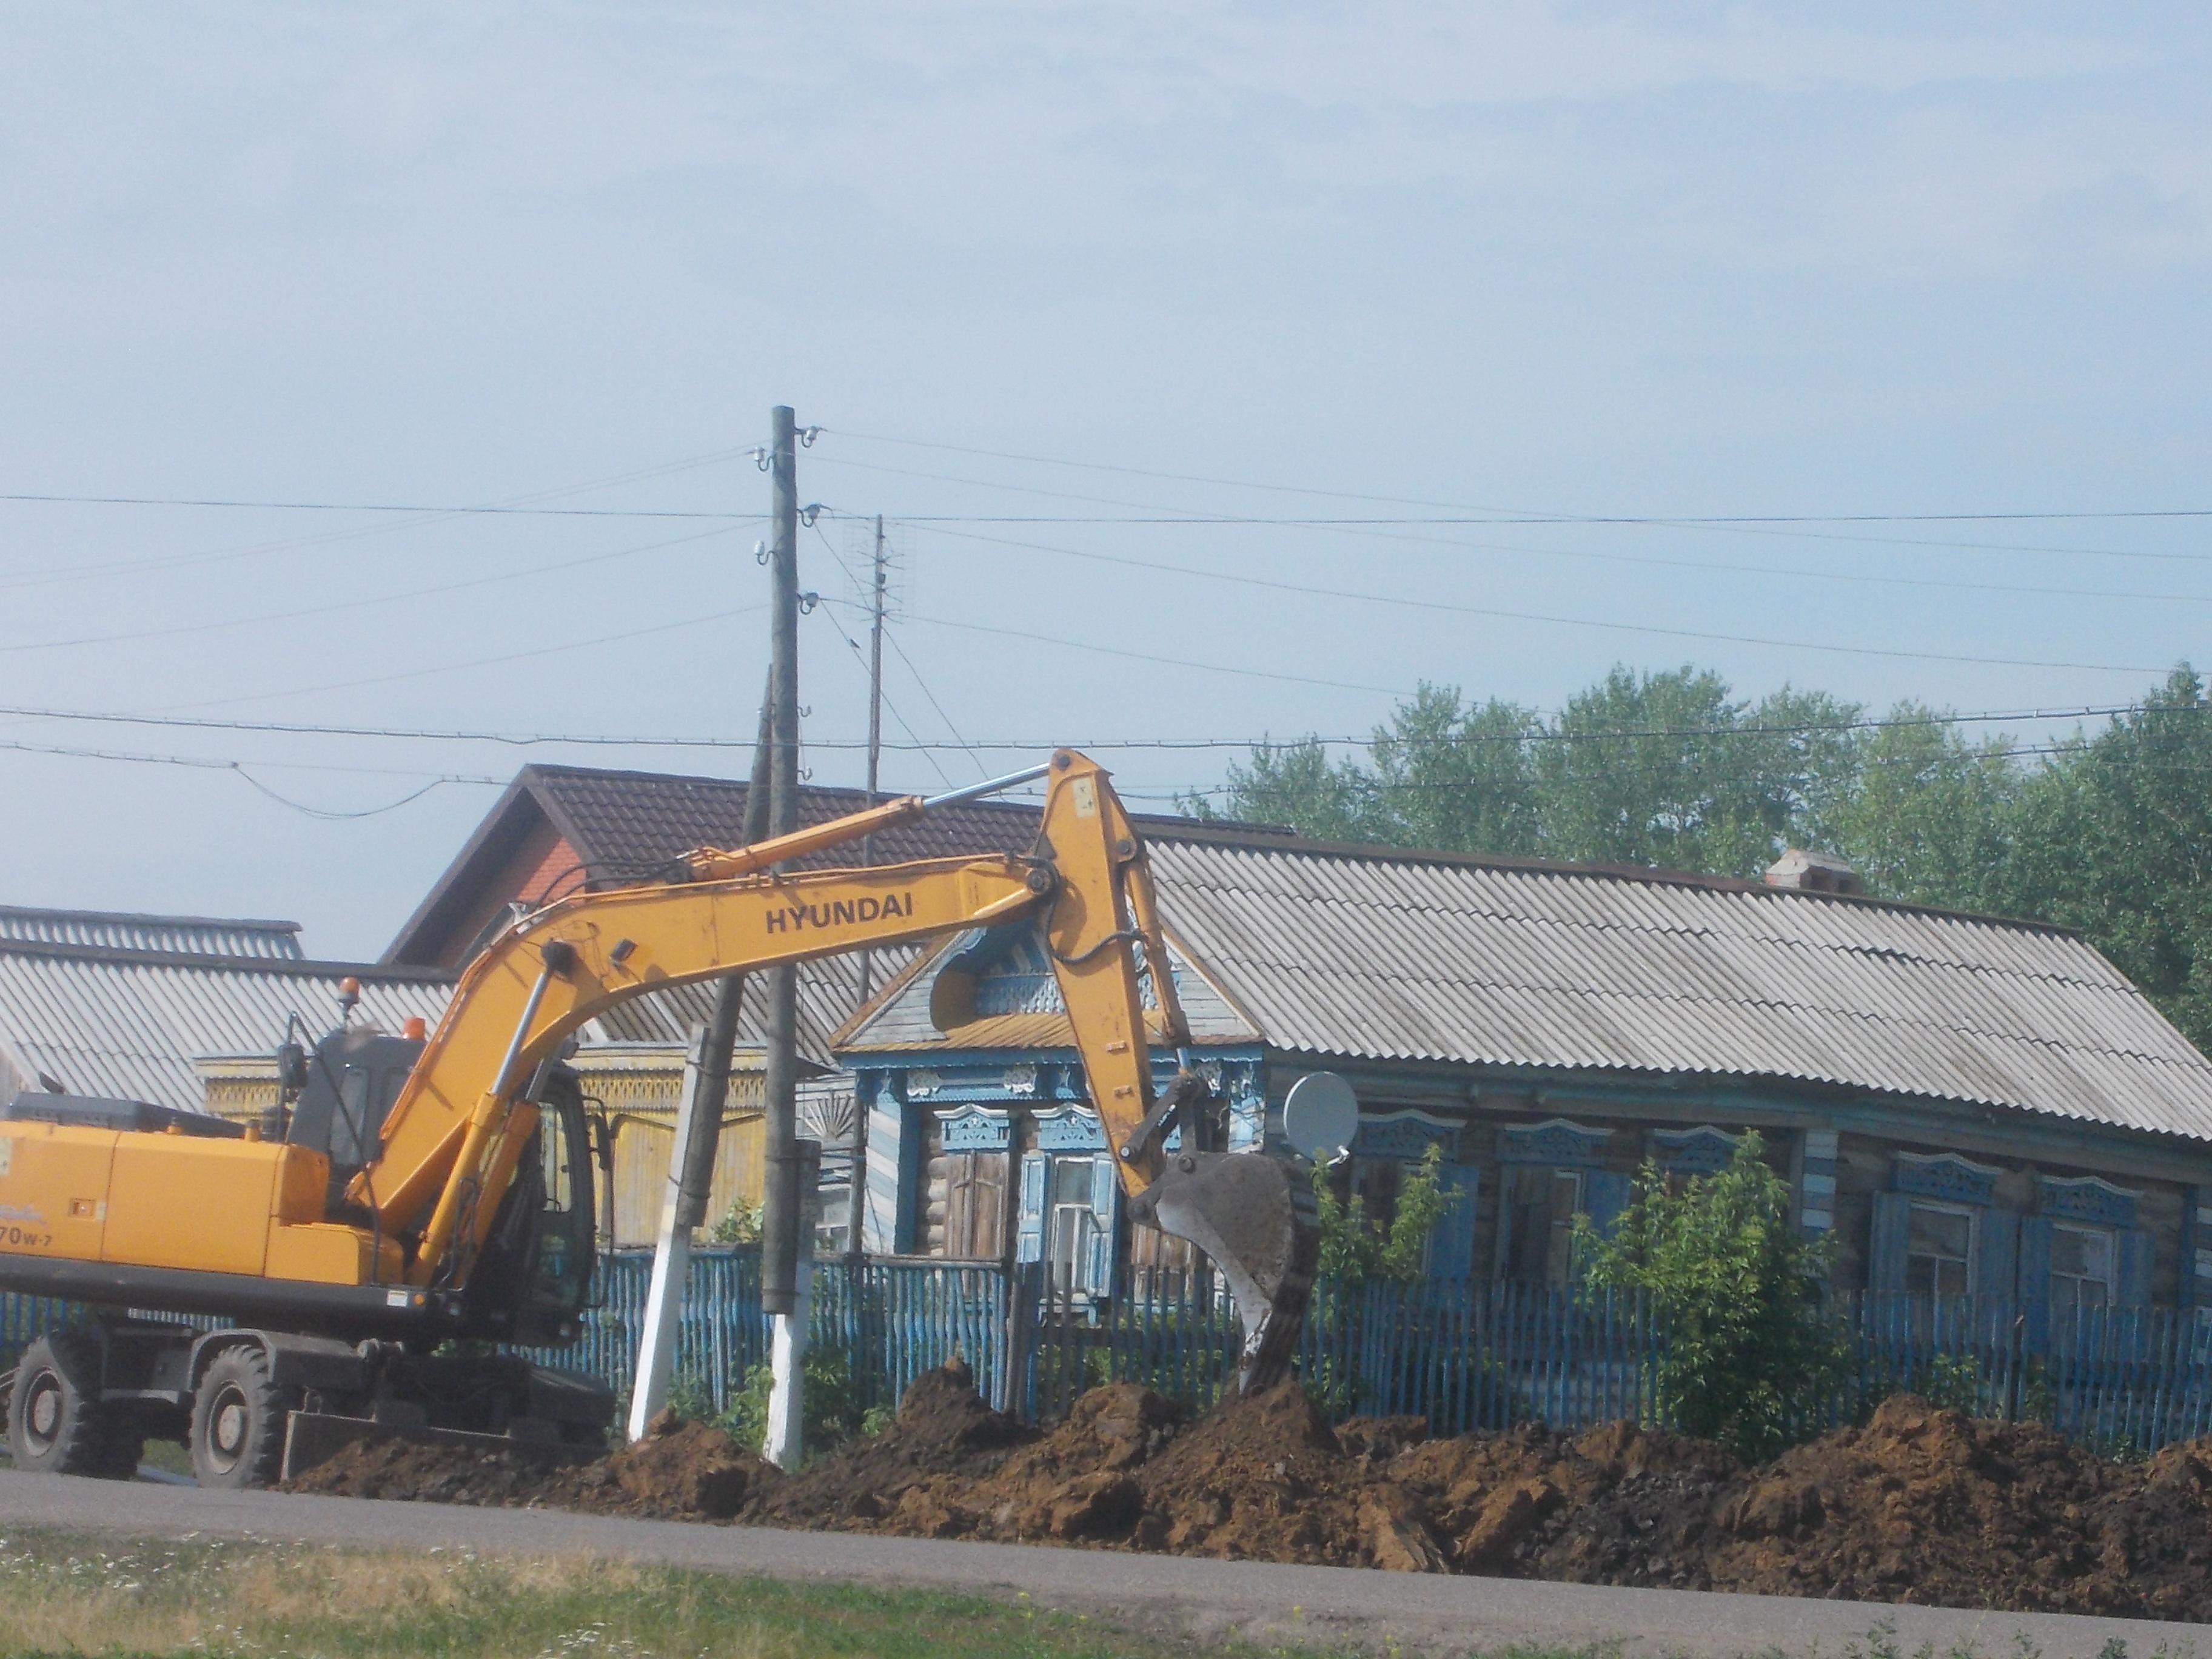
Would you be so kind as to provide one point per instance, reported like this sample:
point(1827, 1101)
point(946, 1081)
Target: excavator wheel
point(237, 1421)
point(56, 1424)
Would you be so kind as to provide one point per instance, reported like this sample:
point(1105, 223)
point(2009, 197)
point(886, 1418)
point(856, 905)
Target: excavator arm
point(454, 1136)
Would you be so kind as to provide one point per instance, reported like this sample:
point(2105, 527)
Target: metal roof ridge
point(1865, 1016)
point(1632, 925)
point(1519, 863)
point(285, 967)
point(251, 924)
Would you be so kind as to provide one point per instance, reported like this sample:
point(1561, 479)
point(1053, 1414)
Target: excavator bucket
point(1255, 1221)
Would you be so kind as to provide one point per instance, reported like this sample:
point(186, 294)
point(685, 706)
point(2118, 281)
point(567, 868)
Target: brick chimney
point(1813, 873)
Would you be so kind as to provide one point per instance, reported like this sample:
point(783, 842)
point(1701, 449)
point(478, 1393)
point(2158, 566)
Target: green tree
point(1749, 1347)
point(1458, 777)
point(1669, 770)
point(2113, 835)
point(1297, 784)
point(1931, 819)
point(1356, 1246)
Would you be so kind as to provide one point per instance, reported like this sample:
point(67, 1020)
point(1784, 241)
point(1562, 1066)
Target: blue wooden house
point(1966, 1104)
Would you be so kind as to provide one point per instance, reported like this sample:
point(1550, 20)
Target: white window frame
point(1072, 1221)
point(1938, 1207)
point(2111, 1280)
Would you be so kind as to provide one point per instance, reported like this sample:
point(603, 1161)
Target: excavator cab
point(533, 1275)
point(342, 1090)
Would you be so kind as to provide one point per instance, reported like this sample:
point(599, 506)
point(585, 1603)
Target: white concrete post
point(786, 1402)
point(671, 1257)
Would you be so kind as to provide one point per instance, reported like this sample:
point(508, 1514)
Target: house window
point(974, 1203)
point(1939, 1250)
point(2082, 1263)
point(1070, 1222)
point(1376, 1181)
point(1070, 1206)
point(1539, 1213)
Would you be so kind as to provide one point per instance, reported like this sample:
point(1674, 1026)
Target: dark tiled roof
point(630, 824)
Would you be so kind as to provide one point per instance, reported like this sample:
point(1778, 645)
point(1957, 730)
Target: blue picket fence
point(1480, 1355)
point(893, 1320)
point(1463, 1354)
point(2120, 1379)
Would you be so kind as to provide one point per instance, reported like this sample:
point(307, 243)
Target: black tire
point(122, 1443)
point(55, 1424)
point(237, 1421)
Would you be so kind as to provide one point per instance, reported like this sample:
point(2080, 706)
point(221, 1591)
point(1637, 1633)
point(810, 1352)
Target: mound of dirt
point(1616, 1504)
point(2157, 1536)
point(1265, 1479)
point(510, 1479)
point(678, 1471)
point(1924, 1504)
point(1919, 1505)
point(943, 1430)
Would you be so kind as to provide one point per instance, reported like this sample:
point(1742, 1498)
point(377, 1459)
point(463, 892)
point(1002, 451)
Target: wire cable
point(1139, 656)
point(2010, 717)
point(928, 751)
point(1375, 528)
point(982, 770)
point(1784, 525)
point(1559, 517)
point(1524, 616)
point(475, 662)
point(238, 768)
point(395, 597)
point(426, 517)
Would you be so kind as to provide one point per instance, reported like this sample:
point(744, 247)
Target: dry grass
point(75, 1595)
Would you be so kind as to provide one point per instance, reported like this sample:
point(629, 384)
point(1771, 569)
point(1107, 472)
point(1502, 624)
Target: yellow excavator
point(433, 1198)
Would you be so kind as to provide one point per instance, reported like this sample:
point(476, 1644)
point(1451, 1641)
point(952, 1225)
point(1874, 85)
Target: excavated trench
point(1921, 1504)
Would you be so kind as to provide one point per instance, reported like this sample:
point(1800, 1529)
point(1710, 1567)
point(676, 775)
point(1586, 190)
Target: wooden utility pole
point(875, 713)
point(856, 1188)
point(781, 1210)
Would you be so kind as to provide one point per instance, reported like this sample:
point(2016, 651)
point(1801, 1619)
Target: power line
point(424, 518)
point(446, 511)
point(1786, 526)
point(479, 662)
point(1373, 527)
point(2021, 716)
point(1528, 517)
point(968, 747)
point(1514, 616)
point(928, 751)
point(358, 603)
point(1142, 656)
point(238, 768)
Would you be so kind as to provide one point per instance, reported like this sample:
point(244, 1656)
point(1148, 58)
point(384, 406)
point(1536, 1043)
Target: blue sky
point(1476, 262)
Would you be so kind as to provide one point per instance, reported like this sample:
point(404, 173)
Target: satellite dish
point(1321, 1115)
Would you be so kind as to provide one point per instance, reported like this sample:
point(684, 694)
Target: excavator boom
point(417, 1235)
point(451, 1138)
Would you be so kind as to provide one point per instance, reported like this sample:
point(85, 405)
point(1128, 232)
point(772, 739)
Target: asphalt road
point(1253, 1600)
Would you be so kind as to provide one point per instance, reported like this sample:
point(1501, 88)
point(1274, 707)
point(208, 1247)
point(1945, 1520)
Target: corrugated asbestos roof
point(129, 1024)
point(123, 931)
point(1403, 958)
